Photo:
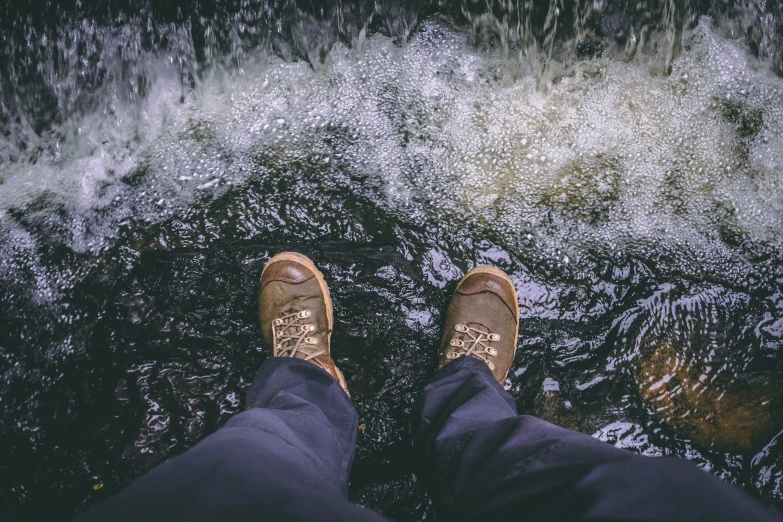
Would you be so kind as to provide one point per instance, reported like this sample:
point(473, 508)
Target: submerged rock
point(722, 411)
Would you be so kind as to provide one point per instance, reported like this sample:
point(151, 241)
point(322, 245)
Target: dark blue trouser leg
point(482, 461)
point(286, 458)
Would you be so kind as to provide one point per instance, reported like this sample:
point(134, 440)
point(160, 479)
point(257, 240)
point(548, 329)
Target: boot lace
point(474, 342)
point(291, 339)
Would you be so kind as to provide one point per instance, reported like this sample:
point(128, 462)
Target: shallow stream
point(632, 190)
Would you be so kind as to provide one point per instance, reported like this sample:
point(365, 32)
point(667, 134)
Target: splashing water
point(640, 215)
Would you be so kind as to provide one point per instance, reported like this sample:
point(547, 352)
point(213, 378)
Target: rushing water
point(623, 163)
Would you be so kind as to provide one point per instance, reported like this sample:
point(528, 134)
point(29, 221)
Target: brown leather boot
point(295, 311)
point(482, 321)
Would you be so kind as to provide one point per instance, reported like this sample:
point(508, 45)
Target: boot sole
point(306, 261)
point(501, 274)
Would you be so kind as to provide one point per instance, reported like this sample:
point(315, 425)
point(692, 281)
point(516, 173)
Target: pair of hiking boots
point(295, 310)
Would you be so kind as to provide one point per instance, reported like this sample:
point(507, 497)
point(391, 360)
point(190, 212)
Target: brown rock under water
point(717, 410)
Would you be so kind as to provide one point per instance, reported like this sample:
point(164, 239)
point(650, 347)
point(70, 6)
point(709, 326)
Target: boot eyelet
point(461, 328)
point(493, 337)
point(491, 365)
point(492, 351)
point(277, 322)
point(451, 355)
point(456, 342)
point(304, 314)
point(311, 340)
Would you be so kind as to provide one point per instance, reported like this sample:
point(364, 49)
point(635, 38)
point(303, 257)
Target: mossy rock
point(720, 411)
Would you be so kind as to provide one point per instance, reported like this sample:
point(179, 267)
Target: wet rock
point(719, 410)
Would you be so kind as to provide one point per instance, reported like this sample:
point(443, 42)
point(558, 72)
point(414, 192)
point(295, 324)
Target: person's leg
point(288, 456)
point(480, 460)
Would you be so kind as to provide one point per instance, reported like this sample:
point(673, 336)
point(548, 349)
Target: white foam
point(610, 158)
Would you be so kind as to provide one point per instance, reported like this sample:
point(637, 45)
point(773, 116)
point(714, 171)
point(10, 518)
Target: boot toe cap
point(286, 268)
point(481, 280)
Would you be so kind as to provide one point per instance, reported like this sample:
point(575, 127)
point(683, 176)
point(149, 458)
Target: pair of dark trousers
point(288, 457)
